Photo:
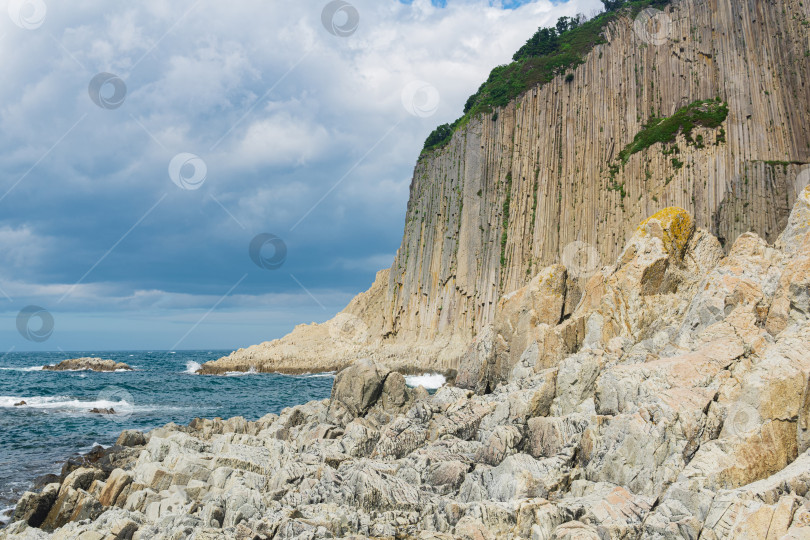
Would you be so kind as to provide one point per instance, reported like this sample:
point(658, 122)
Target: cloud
point(281, 140)
point(21, 249)
point(303, 133)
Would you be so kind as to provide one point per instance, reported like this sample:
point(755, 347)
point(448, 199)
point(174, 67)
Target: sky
point(199, 174)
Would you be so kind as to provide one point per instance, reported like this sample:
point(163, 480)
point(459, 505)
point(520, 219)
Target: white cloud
point(281, 139)
point(22, 249)
point(280, 110)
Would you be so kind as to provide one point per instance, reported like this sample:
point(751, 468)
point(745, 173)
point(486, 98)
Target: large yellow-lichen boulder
point(673, 225)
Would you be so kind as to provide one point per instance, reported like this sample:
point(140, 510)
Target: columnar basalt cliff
point(547, 178)
point(683, 414)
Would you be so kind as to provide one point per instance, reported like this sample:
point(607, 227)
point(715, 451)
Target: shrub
point(709, 113)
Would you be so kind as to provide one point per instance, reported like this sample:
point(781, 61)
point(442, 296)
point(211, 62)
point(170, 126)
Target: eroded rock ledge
point(671, 402)
point(88, 364)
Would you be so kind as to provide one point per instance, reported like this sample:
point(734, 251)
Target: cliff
point(552, 178)
point(684, 413)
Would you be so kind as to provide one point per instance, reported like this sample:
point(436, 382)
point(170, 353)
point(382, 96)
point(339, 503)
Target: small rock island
point(88, 364)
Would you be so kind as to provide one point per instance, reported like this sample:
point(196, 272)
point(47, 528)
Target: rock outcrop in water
point(88, 364)
point(541, 181)
point(672, 400)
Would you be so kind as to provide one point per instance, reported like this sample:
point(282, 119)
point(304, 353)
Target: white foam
point(92, 446)
point(76, 370)
point(251, 371)
point(192, 367)
point(34, 368)
point(430, 381)
point(323, 375)
point(67, 404)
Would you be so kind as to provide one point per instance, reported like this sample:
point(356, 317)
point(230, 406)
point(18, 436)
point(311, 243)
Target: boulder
point(523, 319)
point(81, 478)
point(548, 437)
point(33, 508)
point(355, 390)
point(72, 505)
point(502, 442)
point(395, 394)
point(521, 313)
point(477, 364)
point(115, 484)
point(131, 437)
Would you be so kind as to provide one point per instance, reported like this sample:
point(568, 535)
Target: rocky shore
point(88, 364)
point(671, 401)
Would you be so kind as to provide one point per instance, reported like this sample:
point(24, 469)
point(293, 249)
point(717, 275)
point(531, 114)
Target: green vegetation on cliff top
point(548, 53)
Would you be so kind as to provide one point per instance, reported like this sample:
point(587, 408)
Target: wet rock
point(88, 364)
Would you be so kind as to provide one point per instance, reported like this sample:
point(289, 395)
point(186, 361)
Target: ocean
point(55, 423)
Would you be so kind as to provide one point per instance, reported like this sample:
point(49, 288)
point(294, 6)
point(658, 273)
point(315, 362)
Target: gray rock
point(131, 437)
point(355, 390)
point(33, 508)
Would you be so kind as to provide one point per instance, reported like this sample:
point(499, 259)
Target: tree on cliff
point(612, 5)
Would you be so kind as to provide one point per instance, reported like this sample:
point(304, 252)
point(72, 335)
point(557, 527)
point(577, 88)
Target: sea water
point(56, 423)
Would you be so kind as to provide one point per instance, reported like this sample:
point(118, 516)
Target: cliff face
point(548, 154)
point(685, 414)
point(541, 181)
